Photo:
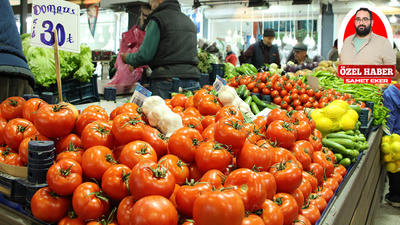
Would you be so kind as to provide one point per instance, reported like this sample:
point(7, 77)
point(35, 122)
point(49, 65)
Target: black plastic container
point(217, 69)
point(40, 159)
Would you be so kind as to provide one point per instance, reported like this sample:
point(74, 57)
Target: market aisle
point(386, 214)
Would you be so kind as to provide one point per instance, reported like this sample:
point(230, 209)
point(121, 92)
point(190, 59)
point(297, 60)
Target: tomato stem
point(67, 171)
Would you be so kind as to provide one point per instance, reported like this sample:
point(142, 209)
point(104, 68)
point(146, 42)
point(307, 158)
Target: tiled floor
point(386, 214)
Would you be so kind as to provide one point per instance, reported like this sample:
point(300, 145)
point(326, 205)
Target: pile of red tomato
point(217, 169)
point(289, 94)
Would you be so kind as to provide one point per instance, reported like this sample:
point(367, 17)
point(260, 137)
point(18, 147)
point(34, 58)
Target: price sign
point(59, 15)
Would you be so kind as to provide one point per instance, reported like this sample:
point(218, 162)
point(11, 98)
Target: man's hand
point(123, 57)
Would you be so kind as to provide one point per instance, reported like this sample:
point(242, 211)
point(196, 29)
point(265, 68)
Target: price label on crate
point(140, 94)
point(219, 83)
point(60, 15)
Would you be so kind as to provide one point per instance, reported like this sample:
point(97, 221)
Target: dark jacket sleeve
point(245, 57)
point(391, 99)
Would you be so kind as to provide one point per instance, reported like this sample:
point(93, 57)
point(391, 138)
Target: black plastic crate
point(370, 105)
point(205, 79)
point(366, 130)
point(217, 69)
point(11, 189)
point(73, 91)
point(363, 116)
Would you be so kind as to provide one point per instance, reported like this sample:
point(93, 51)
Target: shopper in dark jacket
point(16, 79)
point(391, 99)
point(262, 51)
point(169, 48)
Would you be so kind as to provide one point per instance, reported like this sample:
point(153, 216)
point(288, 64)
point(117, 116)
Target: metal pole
point(23, 14)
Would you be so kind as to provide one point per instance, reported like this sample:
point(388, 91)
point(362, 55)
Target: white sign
point(60, 15)
point(140, 94)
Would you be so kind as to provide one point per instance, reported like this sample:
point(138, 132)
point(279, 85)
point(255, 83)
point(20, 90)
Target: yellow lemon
point(396, 156)
point(323, 124)
point(352, 113)
point(391, 167)
point(333, 111)
point(347, 122)
point(385, 147)
point(317, 113)
point(394, 138)
point(397, 163)
point(386, 139)
point(387, 157)
point(395, 146)
point(342, 104)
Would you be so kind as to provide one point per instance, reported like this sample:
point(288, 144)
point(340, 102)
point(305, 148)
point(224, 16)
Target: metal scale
point(104, 57)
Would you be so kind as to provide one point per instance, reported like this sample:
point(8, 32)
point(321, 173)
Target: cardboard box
point(16, 171)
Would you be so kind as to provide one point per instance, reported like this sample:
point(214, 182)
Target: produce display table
point(360, 193)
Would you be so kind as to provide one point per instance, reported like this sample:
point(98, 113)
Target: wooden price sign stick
point(57, 62)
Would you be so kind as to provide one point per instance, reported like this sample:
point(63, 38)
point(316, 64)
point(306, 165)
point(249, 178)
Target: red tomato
point(271, 214)
point(208, 133)
point(312, 179)
point(287, 176)
point(68, 142)
point(212, 155)
point(136, 151)
point(12, 107)
point(156, 139)
point(214, 177)
point(47, 206)
point(270, 183)
point(303, 129)
point(280, 155)
point(305, 187)
point(179, 100)
point(190, 103)
point(153, 210)
point(229, 111)
point(31, 107)
point(194, 172)
point(230, 132)
point(318, 201)
point(341, 170)
point(253, 219)
point(113, 113)
point(192, 122)
point(316, 143)
point(54, 121)
point(184, 142)
point(298, 195)
point(303, 151)
point(325, 192)
point(209, 105)
point(252, 155)
point(72, 153)
point(10, 157)
point(96, 160)
point(149, 178)
point(288, 206)
point(207, 120)
point(126, 128)
point(89, 202)
point(114, 181)
point(176, 166)
point(64, 177)
point(198, 96)
point(301, 220)
point(281, 133)
point(187, 194)
point(218, 208)
point(255, 193)
point(71, 220)
point(331, 183)
point(311, 212)
point(317, 170)
point(124, 210)
point(87, 117)
point(97, 133)
point(3, 123)
point(326, 162)
point(16, 130)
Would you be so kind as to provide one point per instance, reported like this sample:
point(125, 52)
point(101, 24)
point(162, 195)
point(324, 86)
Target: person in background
point(230, 56)
point(16, 78)
point(333, 54)
point(300, 54)
point(169, 48)
point(391, 99)
point(365, 47)
point(262, 51)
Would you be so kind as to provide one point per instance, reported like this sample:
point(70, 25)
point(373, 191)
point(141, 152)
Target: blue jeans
point(164, 87)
